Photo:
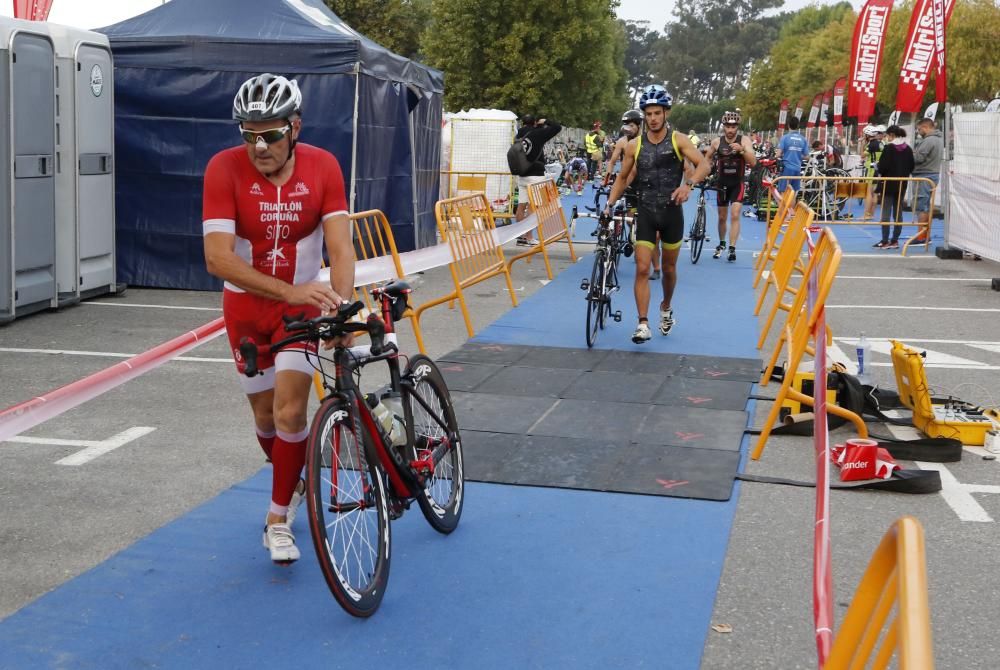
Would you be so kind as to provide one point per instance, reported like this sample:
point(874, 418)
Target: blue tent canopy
point(177, 68)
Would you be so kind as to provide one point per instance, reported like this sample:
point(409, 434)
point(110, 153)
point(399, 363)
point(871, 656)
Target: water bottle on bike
point(388, 409)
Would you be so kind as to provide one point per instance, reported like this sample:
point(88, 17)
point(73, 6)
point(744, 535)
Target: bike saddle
point(396, 288)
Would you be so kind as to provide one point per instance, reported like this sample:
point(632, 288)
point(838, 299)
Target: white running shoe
point(642, 333)
point(298, 495)
point(666, 321)
point(279, 540)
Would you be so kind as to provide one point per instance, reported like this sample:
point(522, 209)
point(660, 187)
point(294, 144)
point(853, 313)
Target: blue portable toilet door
point(32, 85)
point(95, 119)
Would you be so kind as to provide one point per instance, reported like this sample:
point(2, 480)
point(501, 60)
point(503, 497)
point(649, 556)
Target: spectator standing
point(594, 142)
point(791, 150)
point(927, 163)
point(896, 161)
point(533, 133)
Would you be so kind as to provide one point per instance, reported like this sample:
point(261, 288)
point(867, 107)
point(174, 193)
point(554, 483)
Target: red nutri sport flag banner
point(814, 110)
point(941, 78)
point(866, 57)
point(824, 108)
point(33, 10)
point(799, 107)
point(919, 54)
point(782, 117)
point(838, 104)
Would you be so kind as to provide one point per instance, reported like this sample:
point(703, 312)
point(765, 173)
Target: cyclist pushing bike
point(732, 154)
point(655, 162)
point(269, 207)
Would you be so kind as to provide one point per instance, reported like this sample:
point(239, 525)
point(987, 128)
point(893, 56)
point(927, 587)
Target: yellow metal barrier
point(824, 262)
point(896, 577)
point(789, 253)
point(466, 225)
point(829, 196)
point(499, 188)
point(552, 226)
point(775, 227)
point(372, 239)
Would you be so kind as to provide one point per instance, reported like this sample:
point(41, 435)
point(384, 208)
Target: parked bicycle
point(819, 191)
point(359, 475)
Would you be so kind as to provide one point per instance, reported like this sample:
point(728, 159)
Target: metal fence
point(866, 201)
point(973, 184)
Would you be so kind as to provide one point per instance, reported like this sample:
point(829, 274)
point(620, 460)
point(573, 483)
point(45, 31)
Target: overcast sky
point(99, 13)
point(659, 13)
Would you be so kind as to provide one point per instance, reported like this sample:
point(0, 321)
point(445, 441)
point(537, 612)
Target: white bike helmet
point(267, 97)
point(870, 130)
point(731, 117)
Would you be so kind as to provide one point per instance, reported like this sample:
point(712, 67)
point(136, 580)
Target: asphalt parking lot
point(186, 435)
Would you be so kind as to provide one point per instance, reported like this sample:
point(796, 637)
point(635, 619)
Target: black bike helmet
point(632, 116)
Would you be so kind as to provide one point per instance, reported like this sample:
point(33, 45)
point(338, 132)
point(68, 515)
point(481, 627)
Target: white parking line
point(106, 354)
point(136, 304)
point(982, 279)
point(92, 448)
point(919, 308)
point(959, 495)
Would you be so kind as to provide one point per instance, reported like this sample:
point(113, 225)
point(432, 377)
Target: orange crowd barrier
point(466, 224)
point(799, 330)
point(776, 227)
point(552, 227)
point(896, 578)
point(788, 255)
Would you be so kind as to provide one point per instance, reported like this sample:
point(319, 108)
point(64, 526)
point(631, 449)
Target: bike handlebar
point(319, 328)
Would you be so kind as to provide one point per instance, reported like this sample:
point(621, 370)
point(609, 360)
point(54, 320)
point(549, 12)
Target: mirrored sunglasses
point(269, 136)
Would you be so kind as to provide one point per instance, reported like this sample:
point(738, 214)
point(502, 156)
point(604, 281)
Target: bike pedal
point(585, 284)
point(617, 316)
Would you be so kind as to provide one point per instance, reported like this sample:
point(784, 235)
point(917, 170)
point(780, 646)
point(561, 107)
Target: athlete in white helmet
point(269, 206)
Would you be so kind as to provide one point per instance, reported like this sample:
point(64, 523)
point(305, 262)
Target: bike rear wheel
point(595, 298)
point(443, 495)
point(697, 235)
point(348, 508)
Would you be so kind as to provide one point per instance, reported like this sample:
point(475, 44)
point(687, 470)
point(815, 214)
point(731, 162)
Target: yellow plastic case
point(911, 380)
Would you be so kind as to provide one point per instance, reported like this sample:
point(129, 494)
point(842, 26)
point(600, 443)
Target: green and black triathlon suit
point(659, 169)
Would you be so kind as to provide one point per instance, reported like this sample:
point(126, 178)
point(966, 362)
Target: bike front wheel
point(348, 508)
point(595, 297)
point(432, 427)
point(697, 235)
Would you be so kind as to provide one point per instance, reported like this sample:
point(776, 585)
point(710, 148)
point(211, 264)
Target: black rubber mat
point(498, 413)
point(475, 352)
point(632, 422)
point(606, 384)
point(516, 380)
point(693, 427)
point(714, 367)
point(599, 465)
point(466, 376)
point(702, 393)
point(641, 361)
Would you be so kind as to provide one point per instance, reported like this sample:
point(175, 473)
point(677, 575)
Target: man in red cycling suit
point(269, 206)
point(732, 154)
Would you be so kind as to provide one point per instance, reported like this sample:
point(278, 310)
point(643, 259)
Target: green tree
point(807, 58)
point(705, 54)
point(395, 24)
point(640, 43)
point(564, 60)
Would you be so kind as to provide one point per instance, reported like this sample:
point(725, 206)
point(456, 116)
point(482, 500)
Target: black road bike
point(613, 242)
point(697, 233)
point(357, 480)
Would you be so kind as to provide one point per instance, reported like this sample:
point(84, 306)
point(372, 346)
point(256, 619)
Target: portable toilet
point(27, 169)
point(85, 212)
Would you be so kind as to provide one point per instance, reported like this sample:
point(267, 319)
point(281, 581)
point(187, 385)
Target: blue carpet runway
point(532, 578)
